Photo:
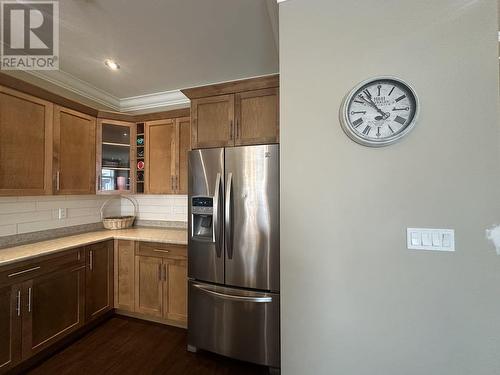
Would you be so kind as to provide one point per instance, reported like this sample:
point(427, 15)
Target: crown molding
point(77, 86)
point(155, 100)
point(88, 91)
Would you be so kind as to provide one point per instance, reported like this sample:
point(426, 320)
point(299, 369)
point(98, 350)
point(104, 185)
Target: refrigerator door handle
point(217, 200)
point(228, 220)
point(233, 297)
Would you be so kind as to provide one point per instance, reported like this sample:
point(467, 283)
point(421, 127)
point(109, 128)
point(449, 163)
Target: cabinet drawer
point(31, 268)
point(162, 250)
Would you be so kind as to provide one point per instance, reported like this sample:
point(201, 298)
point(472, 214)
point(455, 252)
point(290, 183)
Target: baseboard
point(150, 318)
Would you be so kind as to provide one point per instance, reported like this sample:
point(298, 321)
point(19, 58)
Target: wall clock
point(379, 111)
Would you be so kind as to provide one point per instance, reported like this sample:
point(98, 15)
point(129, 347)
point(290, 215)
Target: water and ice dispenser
point(202, 218)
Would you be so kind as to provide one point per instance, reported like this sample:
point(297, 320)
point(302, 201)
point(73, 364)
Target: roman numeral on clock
point(366, 131)
point(400, 119)
point(358, 122)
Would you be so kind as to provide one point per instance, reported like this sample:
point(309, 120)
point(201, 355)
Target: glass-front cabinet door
point(116, 157)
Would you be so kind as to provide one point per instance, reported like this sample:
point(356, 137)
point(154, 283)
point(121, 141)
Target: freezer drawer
point(236, 323)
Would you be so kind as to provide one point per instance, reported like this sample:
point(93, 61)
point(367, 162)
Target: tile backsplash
point(20, 215)
point(158, 207)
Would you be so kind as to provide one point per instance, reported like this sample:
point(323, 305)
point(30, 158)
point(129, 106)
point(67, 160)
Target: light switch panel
point(430, 239)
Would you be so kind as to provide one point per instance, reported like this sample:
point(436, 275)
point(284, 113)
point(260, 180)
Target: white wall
point(20, 215)
point(355, 301)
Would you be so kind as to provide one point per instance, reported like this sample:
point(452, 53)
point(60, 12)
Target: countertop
point(165, 235)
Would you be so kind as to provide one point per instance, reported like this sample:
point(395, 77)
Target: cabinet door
point(183, 145)
point(99, 279)
point(148, 286)
point(74, 152)
point(124, 275)
point(10, 327)
point(175, 290)
point(257, 117)
point(160, 157)
point(115, 156)
point(25, 144)
point(212, 121)
point(52, 307)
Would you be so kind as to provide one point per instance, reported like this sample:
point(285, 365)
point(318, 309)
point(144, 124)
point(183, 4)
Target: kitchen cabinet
point(52, 307)
point(124, 258)
point(159, 156)
point(183, 142)
point(26, 133)
point(10, 326)
point(148, 286)
point(167, 143)
point(175, 290)
point(235, 113)
point(161, 281)
point(257, 117)
point(99, 279)
point(213, 121)
point(115, 156)
point(74, 152)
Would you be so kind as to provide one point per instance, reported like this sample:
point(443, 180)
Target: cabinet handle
point(98, 182)
point(237, 128)
point(18, 306)
point(159, 272)
point(91, 260)
point(29, 299)
point(172, 182)
point(164, 272)
point(24, 271)
point(231, 129)
point(161, 251)
point(58, 180)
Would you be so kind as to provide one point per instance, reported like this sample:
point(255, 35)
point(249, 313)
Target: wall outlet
point(62, 213)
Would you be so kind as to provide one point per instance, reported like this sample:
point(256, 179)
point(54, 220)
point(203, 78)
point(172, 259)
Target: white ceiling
point(161, 45)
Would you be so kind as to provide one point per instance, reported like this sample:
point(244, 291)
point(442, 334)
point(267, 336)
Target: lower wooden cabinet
point(175, 290)
point(10, 327)
point(124, 277)
point(52, 307)
point(158, 275)
point(99, 279)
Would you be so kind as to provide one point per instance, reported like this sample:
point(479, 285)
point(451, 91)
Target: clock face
point(379, 112)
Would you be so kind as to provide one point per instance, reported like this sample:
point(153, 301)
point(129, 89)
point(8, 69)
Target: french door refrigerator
point(233, 253)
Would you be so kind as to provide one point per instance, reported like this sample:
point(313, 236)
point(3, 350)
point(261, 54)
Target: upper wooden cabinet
point(183, 142)
point(213, 121)
point(74, 152)
point(116, 156)
point(160, 156)
point(26, 126)
point(167, 144)
point(235, 113)
point(257, 117)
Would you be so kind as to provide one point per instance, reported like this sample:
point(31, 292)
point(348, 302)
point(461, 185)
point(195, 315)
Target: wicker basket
point(118, 222)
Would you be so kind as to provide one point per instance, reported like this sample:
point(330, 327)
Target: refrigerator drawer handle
point(235, 298)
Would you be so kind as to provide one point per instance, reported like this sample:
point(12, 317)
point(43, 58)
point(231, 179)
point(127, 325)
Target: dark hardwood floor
point(129, 346)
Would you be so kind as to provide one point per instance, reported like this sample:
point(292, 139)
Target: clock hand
point(370, 102)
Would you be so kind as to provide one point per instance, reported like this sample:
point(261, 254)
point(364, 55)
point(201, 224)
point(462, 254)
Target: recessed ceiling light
point(111, 64)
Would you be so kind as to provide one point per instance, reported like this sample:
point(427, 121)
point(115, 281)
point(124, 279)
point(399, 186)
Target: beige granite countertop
point(166, 235)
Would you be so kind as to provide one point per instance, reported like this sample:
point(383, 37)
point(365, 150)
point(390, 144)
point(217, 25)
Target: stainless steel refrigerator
point(233, 253)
